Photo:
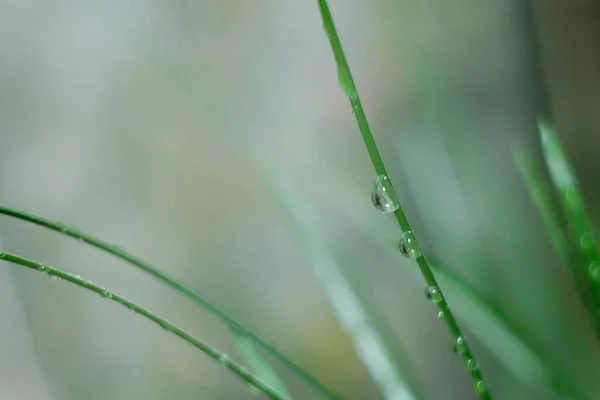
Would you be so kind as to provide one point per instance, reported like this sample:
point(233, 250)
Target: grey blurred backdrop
point(161, 126)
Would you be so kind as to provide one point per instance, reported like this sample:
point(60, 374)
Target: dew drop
point(383, 197)
point(460, 346)
point(480, 387)
point(472, 364)
point(78, 276)
point(408, 246)
point(441, 315)
point(594, 269)
point(433, 294)
point(224, 358)
point(106, 294)
point(54, 277)
point(42, 269)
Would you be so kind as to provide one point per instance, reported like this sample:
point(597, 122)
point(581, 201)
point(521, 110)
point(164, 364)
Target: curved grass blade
point(579, 228)
point(178, 285)
point(349, 88)
point(213, 353)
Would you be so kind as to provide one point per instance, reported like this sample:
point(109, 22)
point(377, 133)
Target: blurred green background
point(211, 138)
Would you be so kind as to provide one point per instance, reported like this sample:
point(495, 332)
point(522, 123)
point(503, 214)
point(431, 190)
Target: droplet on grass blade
point(224, 358)
point(460, 346)
point(441, 315)
point(594, 269)
point(480, 387)
point(408, 246)
point(433, 294)
point(383, 197)
point(472, 364)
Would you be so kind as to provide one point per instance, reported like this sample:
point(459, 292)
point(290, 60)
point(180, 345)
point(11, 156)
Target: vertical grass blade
point(349, 88)
point(579, 225)
point(213, 353)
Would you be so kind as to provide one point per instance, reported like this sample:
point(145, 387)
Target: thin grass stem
point(213, 353)
point(349, 88)
point(178, 285)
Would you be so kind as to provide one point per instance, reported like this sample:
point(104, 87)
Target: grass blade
point(349, 88)
point(258, 364)
point(485, 320)
point(178, 285)
point(351, 314)
point(213, 353)
point(579, 225)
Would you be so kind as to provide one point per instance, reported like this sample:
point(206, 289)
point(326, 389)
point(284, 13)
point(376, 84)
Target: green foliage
point(213, 353)
point(349, 89)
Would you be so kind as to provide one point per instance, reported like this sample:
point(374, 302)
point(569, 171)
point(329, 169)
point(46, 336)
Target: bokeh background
point(211, 138)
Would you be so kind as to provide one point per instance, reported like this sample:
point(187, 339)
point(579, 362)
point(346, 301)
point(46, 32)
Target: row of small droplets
point(385, 200)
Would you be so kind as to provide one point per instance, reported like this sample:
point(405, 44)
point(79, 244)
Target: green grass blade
point(541, 194)
point(258, 364)
point(366, 340)
point(579, 225)
point(497, 332)
point(349, 88)
point(178, 285)
point(505, 341)
point(213, 353)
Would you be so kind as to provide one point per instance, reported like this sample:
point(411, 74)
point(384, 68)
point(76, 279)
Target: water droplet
point(433, 294)
point(586, 242)
point(224, 358)
point(480, 387)
point(594, 269)
point(408, 246)
point(441, 315)
point(383, 197)
point(472, 364)
point(106, 294)
point(460, 346)
point(42, 268)
point(78, 276)
point(54, 277)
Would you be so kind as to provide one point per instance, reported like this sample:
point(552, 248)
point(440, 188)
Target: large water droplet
point(460, 346)
point(441, 315)
point(433, 294)
point(594, 269)
point(383, 197)
point(480, 387)
point(408, 246)
point(106, 294)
